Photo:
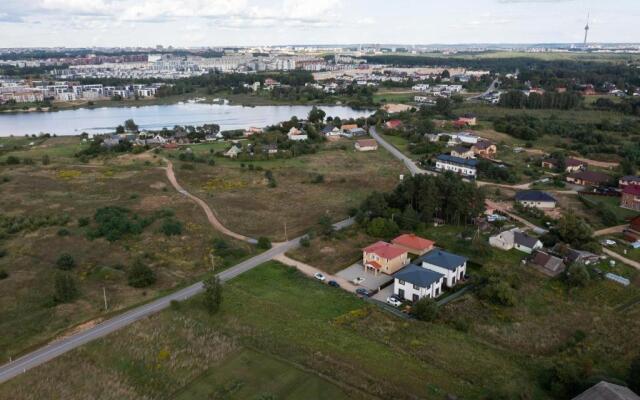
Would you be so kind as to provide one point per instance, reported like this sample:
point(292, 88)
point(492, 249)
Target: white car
point(319, 276)
point(358, 280)
point(394, 301)
point(609, 242)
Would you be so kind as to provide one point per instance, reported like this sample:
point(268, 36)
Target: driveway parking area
point(371, 281)
point(383, 294)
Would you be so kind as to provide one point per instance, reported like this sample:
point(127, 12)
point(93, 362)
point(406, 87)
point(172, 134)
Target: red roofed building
point(632, 233)
point(413, 244)
point(631, 197)
point(384, 257)
point(393, 124)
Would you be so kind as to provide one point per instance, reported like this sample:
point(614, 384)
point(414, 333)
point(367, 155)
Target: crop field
point(243, 199)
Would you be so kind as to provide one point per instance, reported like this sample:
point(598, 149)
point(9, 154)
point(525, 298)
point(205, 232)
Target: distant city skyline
point(188, 23)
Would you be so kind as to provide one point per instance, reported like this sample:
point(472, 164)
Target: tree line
point(536, 101)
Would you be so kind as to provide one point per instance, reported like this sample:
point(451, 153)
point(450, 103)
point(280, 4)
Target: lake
point(105, 119)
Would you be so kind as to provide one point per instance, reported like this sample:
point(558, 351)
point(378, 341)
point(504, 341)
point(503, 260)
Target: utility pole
point(286, 238)
point(104, 295)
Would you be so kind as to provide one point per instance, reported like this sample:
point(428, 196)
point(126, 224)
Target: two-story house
point(384, 257)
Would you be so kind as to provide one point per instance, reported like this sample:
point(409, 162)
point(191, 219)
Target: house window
point(416, 287)
point(400, 282)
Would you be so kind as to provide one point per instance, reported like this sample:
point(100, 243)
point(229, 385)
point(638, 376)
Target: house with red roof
point(414, 244)
point(384, 257)
point(393, 124)
point(630, 197)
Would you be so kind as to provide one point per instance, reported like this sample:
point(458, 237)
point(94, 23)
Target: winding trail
point(213, 219)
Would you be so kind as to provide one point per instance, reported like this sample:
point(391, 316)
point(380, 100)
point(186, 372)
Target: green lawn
point(613, 204)
point(249, 374)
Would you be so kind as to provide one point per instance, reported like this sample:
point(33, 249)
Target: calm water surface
point(100, 120)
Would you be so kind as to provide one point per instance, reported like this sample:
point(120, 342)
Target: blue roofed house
point(452, 266)
point(414, 283)
point(464, 167)
point(536, 198)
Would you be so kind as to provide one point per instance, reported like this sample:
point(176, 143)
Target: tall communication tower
point(586, 31)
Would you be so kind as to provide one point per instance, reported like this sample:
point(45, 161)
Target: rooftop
point(444, 259)
point(457, 160)
point(413, 241)
point(591, 176)
point(607, 391)
point(534, 195)
point(385, 250)
point(418, 276)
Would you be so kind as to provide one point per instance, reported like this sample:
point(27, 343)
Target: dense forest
point(548, 100)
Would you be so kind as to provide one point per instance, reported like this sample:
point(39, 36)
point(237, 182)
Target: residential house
point(270, 148)
point(571, 164)
point(414, 244)
point(462, 152)
point(384, 257)
point(233, 152)
point(632, 233)
point(515, 238)
point(331, 132)
point(607, 391)
point(485, 149)
point(547, 264)
point(526, 243)
point(458, 165)
point(355, 132)
point(588, 178)
point(366, 145)
point(536, 198)
point(581, 257)
point(296, 134)
point(252, 131)
point(629, 180)
point(630, 197)
point(393, 124)
point(414, 283)
point(468, 120)
point(348, 127)
point(452, 266)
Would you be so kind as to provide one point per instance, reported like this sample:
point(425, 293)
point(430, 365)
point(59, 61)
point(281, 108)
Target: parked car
point(334, 284)
point(394, 301)
point(358, 280)
point(362, 292)
point(319, 276)
point(609, 242)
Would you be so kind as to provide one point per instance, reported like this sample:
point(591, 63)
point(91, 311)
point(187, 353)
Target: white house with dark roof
point(464, 167)
point(452, 266)
point(414, 283)
point(526, 243)
point(536, 198)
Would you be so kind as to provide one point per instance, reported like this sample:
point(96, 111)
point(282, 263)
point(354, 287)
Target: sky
point(196, 23)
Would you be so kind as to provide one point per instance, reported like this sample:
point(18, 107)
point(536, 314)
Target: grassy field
point(474, 350)
point(70, 191)
point(243, 200)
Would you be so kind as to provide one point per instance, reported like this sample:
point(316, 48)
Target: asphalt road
point(409, 163)
point(57, 348)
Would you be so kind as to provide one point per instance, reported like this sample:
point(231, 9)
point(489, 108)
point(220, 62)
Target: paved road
point(409, 163)
point(69, 343)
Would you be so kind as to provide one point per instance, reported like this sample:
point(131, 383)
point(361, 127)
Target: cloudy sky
point(75, 23)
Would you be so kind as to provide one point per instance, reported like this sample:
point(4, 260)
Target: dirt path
point(310, 271)
point(504, 209)
point(619, 257)
point(600, 164)
point(610, 230)
point(213, 220)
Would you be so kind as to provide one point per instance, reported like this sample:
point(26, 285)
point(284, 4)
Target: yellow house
point(384, 257)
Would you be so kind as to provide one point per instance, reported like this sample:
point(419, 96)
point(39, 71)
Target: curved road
point(409, 163)
point(59, 347)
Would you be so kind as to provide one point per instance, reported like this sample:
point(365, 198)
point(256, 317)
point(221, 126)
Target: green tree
point(325, 226)
point(140, 275)
point(171, 227)
point(65, 262)
point(382, 228)
point(120, 129)
point(316, 115)
point(130, 126)
point(634, 375)
point(498, 292)
point(426, 309)
point(212, 297)
point(264, 243)
point(574, 230)
point(65, 288)
point(577, 275)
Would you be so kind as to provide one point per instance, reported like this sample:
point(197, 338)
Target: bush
point(3, 253)
point(65, 288)
point(425, 309)
point(12, 160)
point(3, 274)
point(382, 228)
point(63, 232)
point(45, 159)
point(318, 179)
point(171, 227)
point(498, 292)
point(305, 242)
point(115, 222)
point(141, 275)
point(65, 262)
point(577, 275)
point(83, 221)
point(264, 243)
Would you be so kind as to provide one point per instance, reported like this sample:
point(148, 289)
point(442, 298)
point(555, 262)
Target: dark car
point(362, 292)
point(334, 284)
